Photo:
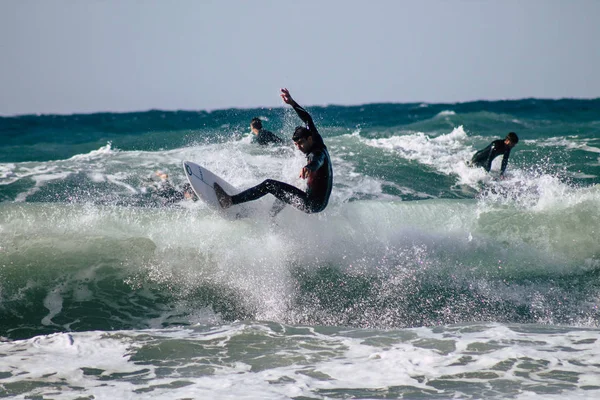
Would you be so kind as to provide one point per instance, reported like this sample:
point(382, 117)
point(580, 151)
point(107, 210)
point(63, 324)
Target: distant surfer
point(263, 136)
point(318, 172)
point(483, 158)
point(168, 193)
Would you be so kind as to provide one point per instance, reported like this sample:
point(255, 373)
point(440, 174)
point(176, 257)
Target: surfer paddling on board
point(318, 172)
point(483, 158)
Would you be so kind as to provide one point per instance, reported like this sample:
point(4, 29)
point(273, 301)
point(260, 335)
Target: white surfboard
point(202, 181)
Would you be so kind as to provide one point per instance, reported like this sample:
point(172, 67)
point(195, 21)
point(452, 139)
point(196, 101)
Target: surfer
point(168, 193)
point(263, 136)
point(483, 158)
point(318, 172)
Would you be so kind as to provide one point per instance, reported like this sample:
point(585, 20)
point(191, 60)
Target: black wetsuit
point(319, 181)
point(483, 158)
point(265, 137)
point(169, 193)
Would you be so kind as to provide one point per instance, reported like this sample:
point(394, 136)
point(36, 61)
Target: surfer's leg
point(250, 194)
point(289, 194)
point(285, 192)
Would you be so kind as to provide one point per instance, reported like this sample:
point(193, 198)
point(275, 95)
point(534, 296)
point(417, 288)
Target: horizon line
point(132, 111)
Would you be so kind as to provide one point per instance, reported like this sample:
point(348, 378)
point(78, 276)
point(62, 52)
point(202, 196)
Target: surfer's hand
point(285, 95)
point(304, 173)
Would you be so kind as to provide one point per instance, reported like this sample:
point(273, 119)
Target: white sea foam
point(41, 177)
point(53, 302)
point(7, 174)
point(445, 113)
point(568, 142)
point(446, 153)
point(94, 154)
point(52, 171)
point(492, 361)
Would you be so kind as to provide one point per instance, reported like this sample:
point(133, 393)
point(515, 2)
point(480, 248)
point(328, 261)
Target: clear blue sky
point(62, 56)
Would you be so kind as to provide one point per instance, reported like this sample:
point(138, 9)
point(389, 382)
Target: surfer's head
point(255, 125)
point(511, 139)
point(303, 139)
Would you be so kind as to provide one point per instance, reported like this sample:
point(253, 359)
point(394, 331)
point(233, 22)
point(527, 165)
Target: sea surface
point(423, 278)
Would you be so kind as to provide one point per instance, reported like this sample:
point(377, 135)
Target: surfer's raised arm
point(302, 113)
point(287, 97)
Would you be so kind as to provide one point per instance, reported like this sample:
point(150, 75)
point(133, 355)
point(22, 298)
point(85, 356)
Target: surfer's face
point(304, 144)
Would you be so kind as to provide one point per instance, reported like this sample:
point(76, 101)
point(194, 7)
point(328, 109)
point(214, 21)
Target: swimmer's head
point(255, 125)
point(162, 175)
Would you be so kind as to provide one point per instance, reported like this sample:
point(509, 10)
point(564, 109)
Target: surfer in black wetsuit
point(483, 158)
point(262, 136)
point(168, 193)
point(318, 172)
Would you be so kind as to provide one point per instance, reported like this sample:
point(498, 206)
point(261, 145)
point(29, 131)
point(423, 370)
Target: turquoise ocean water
point(423, 278)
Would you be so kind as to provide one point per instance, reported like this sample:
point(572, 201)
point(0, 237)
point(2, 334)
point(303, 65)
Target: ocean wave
point(377, 264)
point(99, 153)
point(568, 142)
point(447, 153)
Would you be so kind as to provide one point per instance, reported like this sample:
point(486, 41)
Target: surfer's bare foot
point(224, 198)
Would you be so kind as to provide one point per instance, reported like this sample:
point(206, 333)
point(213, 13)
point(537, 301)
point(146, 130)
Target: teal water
point(467, 285)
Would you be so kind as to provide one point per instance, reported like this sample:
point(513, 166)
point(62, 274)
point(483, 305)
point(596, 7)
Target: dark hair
point(256, 123)
point(301, 133)
point(514, 139)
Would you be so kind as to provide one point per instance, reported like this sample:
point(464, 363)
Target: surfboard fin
point(224, 198)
